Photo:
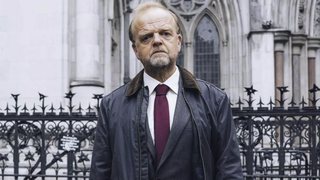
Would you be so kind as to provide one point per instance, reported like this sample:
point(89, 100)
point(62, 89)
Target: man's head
point(155, 36)
point(145, 6)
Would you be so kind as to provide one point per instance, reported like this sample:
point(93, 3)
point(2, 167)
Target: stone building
point(54, 46)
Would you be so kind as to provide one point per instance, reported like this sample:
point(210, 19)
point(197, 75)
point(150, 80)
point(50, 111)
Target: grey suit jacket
point(177, 156)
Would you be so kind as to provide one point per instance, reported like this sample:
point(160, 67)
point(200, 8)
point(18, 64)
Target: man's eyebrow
point(162, 28)
point(166, 28)
point(144, 33)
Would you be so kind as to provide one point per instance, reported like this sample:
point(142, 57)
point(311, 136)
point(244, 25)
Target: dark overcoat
point(202, 143)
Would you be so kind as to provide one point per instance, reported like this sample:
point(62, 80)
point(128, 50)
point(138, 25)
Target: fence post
point(281, 148)
point(70, 155)
point(250, 147)
point(313, 155)
point(16, 150)
point(69, 96)
point(43, 149)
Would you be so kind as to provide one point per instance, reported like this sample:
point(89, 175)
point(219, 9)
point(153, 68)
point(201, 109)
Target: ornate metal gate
point(279, 142)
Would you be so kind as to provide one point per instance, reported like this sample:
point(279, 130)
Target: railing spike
point(230, 103)
point(43, 107)
point(34, 109)
point(15, 97)
point(313, 91)
point(271, 103)
point(61, 108)
point(250, 91)
point(97, 97)
point(7, 109)
point(89, 108)
point(69, 96)
point(25, 108)
point(52, 109)
point(292, 103)
point(239, 103)
point(260, 103)
point(80, 109)
point(282, 89)
point(302, 102)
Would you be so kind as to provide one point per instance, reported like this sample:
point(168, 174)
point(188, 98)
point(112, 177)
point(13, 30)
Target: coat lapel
point(150, 144)
point(181, 119)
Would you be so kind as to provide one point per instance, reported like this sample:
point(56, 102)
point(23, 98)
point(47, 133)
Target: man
point(185, 132)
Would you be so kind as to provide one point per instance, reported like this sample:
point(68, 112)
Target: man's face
point(157, 43)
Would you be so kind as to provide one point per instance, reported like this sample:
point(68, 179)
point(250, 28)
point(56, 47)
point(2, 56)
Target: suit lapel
point(150, 144)
point(181, 119)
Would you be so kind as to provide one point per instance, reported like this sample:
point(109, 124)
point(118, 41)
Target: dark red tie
point(161, 120)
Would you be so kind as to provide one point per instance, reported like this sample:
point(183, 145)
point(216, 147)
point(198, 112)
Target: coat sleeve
point(228, 164)
point(101, 155)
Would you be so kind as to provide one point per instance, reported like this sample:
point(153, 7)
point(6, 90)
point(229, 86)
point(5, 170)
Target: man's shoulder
point(207, 87)
point(211, 92)
point(117, 93)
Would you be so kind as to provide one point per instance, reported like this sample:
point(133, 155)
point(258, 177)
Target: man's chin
point(160, 62)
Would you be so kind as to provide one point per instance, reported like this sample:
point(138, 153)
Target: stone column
point(297, 42)
point(280, 39)
point(313, 46)
point(261, 46)
point(127, 44)
point(88, 76)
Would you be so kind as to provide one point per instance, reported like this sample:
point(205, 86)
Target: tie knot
point(161, 89)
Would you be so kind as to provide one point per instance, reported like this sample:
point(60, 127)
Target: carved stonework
point(255, 15)
point(113, 46)
point(188, 44)
point(302, 5)
point(225, 43)
point(301, 16)
point(316, 27)
point(187, 8)
point(300, 21)
point(266, 24)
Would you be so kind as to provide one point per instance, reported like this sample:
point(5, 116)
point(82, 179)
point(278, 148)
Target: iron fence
point(279, 142)
point(276, 142)
point(47, 144)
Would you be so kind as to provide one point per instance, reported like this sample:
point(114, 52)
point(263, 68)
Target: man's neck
point(161, 74)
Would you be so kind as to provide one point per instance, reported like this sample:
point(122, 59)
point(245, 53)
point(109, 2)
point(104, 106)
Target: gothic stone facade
point(55, 46)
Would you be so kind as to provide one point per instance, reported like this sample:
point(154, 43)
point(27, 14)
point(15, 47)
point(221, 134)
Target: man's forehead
point(147, 29)
point(152, 18)
point(152, 15)
point(164, 23)
point(153, 11)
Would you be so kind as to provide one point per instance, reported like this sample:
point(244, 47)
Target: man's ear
point(134, 47)
point(179, 42)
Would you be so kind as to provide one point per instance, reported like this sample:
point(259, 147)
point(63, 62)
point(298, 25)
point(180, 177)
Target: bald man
point(164, 124)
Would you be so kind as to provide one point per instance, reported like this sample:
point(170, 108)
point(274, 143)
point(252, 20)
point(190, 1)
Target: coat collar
point(189, 81)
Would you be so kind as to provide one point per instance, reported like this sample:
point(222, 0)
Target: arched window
point(180, 59)
point(206, 55)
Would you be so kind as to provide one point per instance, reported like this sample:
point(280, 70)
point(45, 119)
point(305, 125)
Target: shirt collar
point(172, 82)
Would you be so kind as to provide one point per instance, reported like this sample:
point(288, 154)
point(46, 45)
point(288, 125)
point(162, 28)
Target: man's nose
point(157, 39)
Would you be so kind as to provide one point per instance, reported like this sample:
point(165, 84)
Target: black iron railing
point(276, 142)
point(279, 142)
point(49, 143)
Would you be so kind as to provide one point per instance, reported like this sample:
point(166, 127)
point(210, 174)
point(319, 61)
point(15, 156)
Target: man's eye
point(165, 34)
point(146, 38)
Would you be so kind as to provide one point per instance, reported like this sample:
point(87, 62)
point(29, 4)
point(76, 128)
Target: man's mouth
point(156, 52)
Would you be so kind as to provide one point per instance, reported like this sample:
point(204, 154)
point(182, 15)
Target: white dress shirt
point(173, 83)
